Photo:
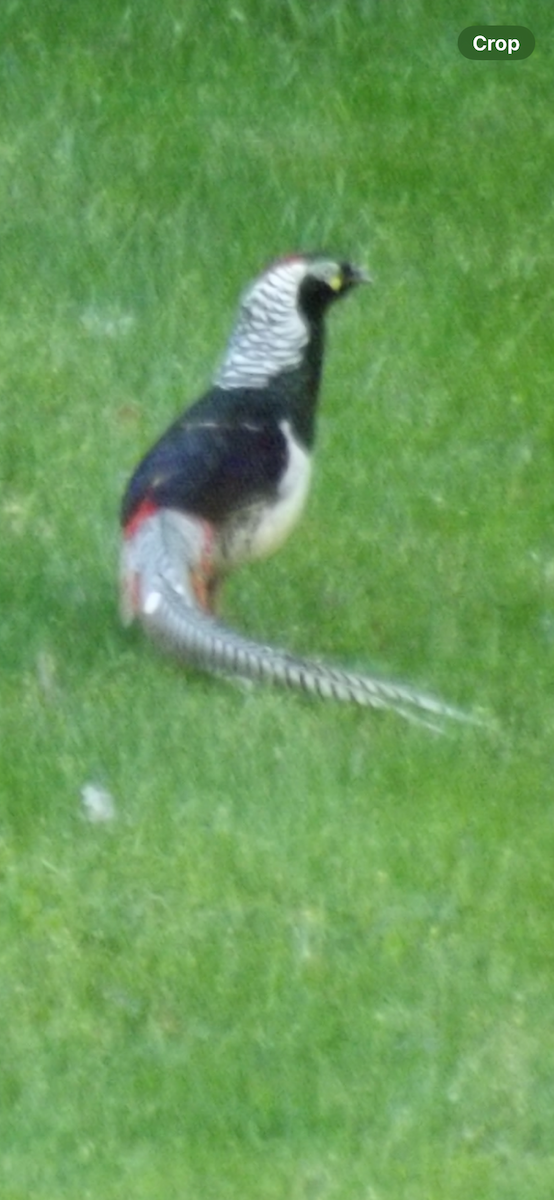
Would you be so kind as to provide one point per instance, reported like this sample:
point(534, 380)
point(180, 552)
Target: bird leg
point(205, 582)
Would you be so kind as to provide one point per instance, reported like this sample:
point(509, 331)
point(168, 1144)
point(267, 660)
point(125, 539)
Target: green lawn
point(312, 957)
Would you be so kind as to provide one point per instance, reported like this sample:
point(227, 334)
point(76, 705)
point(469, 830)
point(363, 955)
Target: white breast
point(278, 521)
point(262, 530)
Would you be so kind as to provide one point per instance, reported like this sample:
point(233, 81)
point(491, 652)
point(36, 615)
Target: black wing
point(210, 466)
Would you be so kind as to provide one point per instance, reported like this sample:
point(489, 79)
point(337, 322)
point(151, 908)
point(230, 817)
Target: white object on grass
point(99, 806)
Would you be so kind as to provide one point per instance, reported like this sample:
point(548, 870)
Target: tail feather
point(159, 584)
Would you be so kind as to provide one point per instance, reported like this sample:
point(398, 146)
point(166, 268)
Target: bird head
point(326, 279)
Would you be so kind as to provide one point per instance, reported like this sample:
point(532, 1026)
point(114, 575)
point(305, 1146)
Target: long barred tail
point(157, 588)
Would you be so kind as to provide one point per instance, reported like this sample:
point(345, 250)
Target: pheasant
point(227, 483)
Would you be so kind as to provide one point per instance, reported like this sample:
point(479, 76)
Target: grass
point(311, 958)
